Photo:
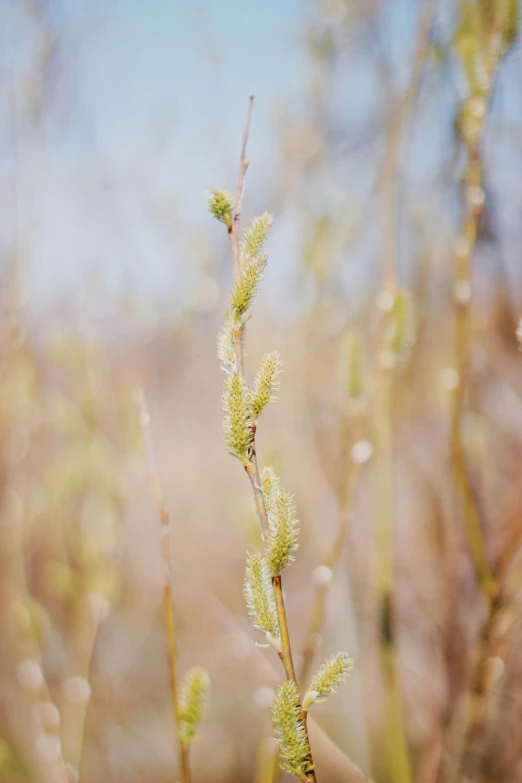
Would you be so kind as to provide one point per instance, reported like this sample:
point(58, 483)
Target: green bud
point(255, 235)
point(259, 598)
point(269, 485)
point(226, 348)
point(221, 204)
point(193, 701)
point(237, 422)
point(283, 532)
point(290, 732)
point(266, 384)
point(329, 676)
point(246, 284)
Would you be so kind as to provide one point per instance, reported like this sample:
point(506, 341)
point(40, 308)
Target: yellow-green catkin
point(259, 598)
point(221, 205)
point(290, 731)
point(255, 235)
point(246, 284)
point(237, 421)
point(193, 701)
point(330, 675)
point(266, 383)
point(283, 531)
point(226, 348)
point(269, 485)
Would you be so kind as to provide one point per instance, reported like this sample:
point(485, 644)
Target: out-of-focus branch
point(493, 39)
point(396, 740)
point(168, 604)
point(398, 125)
point(489, 666)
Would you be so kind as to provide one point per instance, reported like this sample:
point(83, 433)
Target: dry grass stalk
point(188, 697)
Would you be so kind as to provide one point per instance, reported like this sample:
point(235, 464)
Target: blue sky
point(150, 100)
point(147, 110)
point(191, 67)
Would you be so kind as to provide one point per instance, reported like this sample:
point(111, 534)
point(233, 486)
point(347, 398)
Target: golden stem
point(286, 652)
point(466, 727)
point(462, 297)
point(168, 603)
point(397, 749)
point(266, 764)
point(396, 741)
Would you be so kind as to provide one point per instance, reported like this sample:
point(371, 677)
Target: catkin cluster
point(242, 406)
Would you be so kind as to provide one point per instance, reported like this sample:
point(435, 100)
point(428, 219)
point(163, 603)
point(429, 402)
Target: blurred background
point(386, 139)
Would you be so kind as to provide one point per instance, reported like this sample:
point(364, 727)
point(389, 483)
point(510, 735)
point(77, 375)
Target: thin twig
point(286, 652)
point(233, 233)
point(168, 604)
point(464, 730)
point(493, 648)
point(243, 166)
point(474, 206)
point(462, 299)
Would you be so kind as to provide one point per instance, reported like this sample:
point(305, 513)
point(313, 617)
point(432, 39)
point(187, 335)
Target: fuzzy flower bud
point(193, 701)
point(269, 485)
point(221, 204)
point(266, 384)
point(259, 598)
point(283, 533)
point(226, 348)
point(246, 284)
point(255, 235)
point(290, 731)
point(237, 417)
point(329, 676)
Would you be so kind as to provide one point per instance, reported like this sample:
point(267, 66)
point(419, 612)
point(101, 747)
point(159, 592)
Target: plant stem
point(168, 604)
point(267, 766)
point(474, 206)
point(494, 643)
point(252, 467)
point(468, 724)
point(252, 470)
point(396, 741)
point(462, 298)
point(286, 652)
point(243, 166)
point(183, 750)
